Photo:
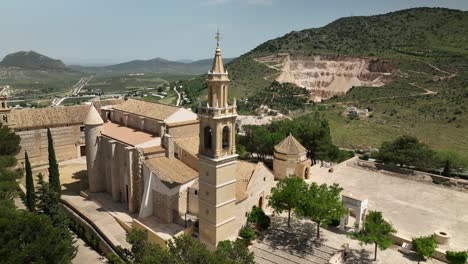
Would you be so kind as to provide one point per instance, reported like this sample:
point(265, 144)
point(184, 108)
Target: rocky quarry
point(325, 76)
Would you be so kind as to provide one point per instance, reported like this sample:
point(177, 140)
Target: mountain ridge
point(31, 60)
point(158, 65)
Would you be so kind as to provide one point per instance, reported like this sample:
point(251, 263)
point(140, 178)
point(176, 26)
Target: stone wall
point(260, 187)
point(119, 165)
point(162, 207)
point(137, 122)
point(454, 183)
point(67, 141)
point(186, 157)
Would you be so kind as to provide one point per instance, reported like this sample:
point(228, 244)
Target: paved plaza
point(414, 208)
point(299, 245)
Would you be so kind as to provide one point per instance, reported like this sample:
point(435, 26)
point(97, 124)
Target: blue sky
point(110, 31)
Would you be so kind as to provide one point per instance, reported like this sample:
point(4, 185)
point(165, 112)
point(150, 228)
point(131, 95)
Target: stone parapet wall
point(454, 183)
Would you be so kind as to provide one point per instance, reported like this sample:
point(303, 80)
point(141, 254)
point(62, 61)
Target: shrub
point(113, 259)
point(365, 157)
point(425, 245)
point(258, 217)
point(247, 233)
point(263, 221)
point(454, 257)
point(254, 214)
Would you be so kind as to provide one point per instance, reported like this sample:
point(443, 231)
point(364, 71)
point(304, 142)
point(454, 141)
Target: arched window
point(208, 135)
point(225, 137)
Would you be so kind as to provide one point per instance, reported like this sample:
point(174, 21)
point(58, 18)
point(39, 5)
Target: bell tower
point(217, 158)
point(4, 110)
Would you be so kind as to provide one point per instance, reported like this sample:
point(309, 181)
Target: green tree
point(30, 200)
point(9, 147)
point(233, 253)
point(425, 246)
point(47, 202)
point(144, 252)
point(287, 195)
point(321, 204)
point(54, 174)
point(27, 237)
point(406, 151)
point(454, 257)
point(377, 231)
point(9, 142)
point(185, 249)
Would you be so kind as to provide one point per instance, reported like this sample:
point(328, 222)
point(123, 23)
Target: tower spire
point(218, 66)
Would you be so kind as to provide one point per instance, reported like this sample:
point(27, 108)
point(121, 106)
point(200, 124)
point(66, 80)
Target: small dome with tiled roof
point(290, 146)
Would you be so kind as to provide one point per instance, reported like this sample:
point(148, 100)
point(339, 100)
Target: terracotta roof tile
point(245, 173)
point(147, 109)
point(50, 116)
point(171, 172)
point(291, 146)
point(190, 145)
point(125, 134)
point(101, 103)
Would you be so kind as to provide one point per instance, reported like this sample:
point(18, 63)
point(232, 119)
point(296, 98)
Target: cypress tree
point(54, 176)
point(30, 195)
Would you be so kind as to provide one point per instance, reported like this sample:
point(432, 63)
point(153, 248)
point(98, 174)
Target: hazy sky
point(109, 31)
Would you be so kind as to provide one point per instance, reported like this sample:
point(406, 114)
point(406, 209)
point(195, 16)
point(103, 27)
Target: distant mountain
point(31, 60)
point(157, 65)
point(185, 61)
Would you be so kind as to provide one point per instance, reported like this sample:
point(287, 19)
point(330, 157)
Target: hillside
point(157, 65)
point(31, 60)
point(410, 68)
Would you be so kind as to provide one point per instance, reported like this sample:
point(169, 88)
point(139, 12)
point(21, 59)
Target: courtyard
point(299, 245)
point(414, 208)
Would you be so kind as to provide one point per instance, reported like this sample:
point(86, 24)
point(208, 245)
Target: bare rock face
point(329, 75)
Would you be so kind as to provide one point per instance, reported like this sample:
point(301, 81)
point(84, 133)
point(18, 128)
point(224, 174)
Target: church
point(174, 166)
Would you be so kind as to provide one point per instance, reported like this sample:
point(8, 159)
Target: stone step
point(315, 255)
point(279, 256)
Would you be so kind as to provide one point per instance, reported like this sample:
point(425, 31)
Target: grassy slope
point(412, 40)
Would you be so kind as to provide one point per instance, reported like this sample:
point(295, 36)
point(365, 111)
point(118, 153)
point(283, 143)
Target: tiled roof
point(50, 116)
point(171, 172)
point(190, 145)
point(290, 146)
point(100, 103)
point(245, 173)
point(147, 109)
point(125, 134)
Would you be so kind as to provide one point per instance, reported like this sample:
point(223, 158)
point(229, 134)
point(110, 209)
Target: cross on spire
point(217, 37)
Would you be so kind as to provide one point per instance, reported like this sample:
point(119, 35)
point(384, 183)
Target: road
point(178, 96)
point(74, 91)
point(80, 84)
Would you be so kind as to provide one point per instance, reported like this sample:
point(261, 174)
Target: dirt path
point(267, 78)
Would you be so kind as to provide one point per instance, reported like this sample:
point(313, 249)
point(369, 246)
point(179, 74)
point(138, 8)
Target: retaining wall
point(454, 183)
